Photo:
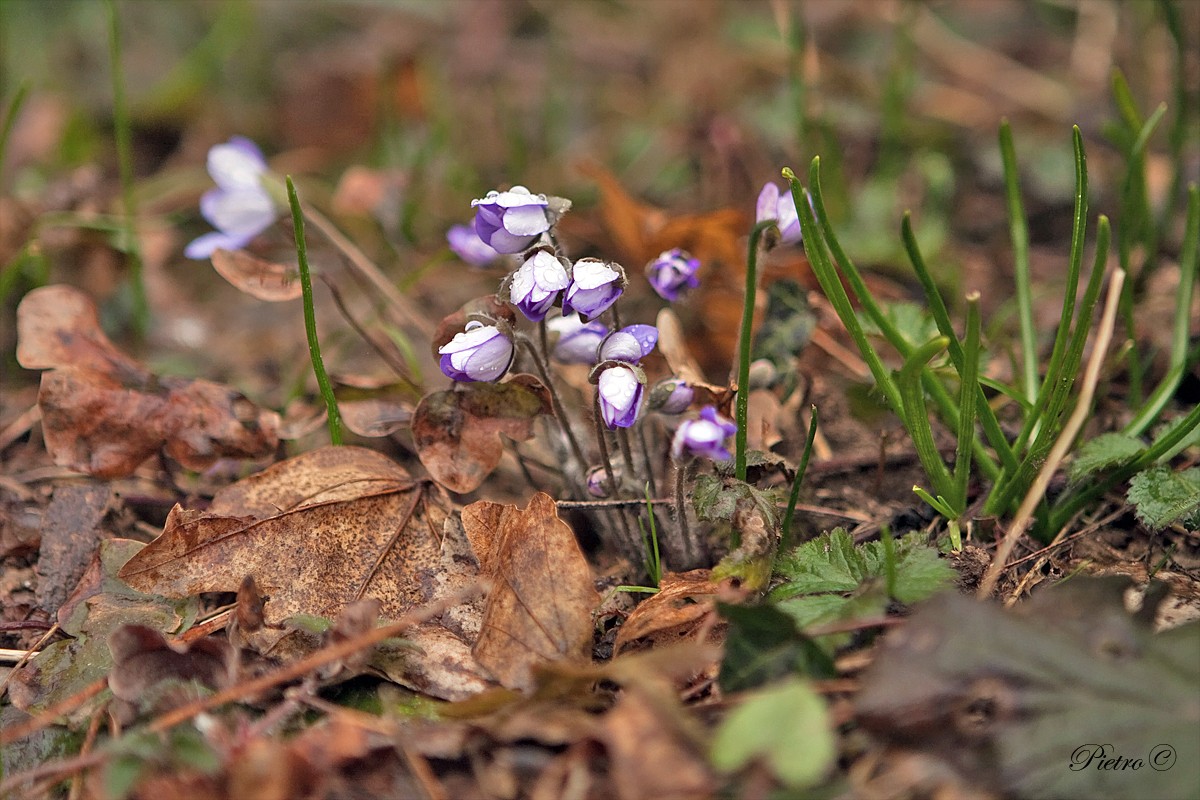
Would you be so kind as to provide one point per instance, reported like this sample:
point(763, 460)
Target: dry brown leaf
point(682, 605)
point(257, 277)
point(542, 598)
point(104, 414)
point(457, 431)
point(673, 345)
point(318, 532)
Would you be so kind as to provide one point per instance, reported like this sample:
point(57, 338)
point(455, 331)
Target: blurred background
point(393, 115)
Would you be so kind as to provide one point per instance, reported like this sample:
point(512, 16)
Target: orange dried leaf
point(257, 277)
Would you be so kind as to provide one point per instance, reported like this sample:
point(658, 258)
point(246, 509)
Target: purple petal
point(767, 206)
point(242, 212)
point(237, 164)
point(204, 246)
point(646, 335)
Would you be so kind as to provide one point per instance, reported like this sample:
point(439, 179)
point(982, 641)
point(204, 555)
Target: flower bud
point(781, 208)
point(535, 285)
point(479, 353)
point(595, 285)
point(598, 481)
point(578, 341)
point(704, 437)
point(672, 272)
point(467, 245)
point(671, 396)
point(620, 390)
point(511, 221)
point(632, 343)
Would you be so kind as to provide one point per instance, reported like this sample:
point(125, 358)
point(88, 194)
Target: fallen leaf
point(99, 605)
point(457, 431)
point(71, 532)
point(257, 277)
point(104, 414)
point(678, 611)
point(540, 606)
point(317, 532)
point(143, 659)
point(1019, 703)
point(673, 345)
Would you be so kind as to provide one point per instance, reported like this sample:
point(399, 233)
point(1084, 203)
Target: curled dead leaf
point(680, 610)
point(542, 598)
point(104, 414)
point(457, 431)
point(257, 277)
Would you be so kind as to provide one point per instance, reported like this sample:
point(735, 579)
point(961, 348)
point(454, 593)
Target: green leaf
point(763, 644)
point(829, 563)
point(1162, 496)
point(786, 726)
point(913, 322)
point(1105, 452)
point(920, 572)
point(716, 498)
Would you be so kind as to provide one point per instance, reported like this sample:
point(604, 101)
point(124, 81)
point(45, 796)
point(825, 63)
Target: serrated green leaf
point(786, 726)
point(829, 563)
point(762, 645)
point(710, 500)
point(1162, 496)
point(1105, 452)
point(920, 572)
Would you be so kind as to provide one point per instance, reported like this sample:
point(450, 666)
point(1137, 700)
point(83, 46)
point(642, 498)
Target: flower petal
point(526, 220)
point(236, 164)
point(204, 246)
point(245, 212)
point(767, 206)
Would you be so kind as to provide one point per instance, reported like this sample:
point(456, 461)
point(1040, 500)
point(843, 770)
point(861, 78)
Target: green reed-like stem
point(785, 540)
point(967, 395)
point(913, 397)
point(334, 417)
point(1189, 263)
point(743, 354)
point(10, 122)
point(124, 140)
point(1019, 231)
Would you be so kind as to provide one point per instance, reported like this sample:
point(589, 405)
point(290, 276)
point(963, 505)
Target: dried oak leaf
point(319, 532)
point(104, 414)
point(457, 431)
point(542, 598)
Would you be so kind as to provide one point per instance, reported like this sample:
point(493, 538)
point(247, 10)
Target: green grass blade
point(912, 394)
point(1034, 420)
point(1005, 496)
point(10, 122)
point(818, 255)
point(1019, 231)
point(1189, 263)
point(742, 409)
point(334, 418)
point(785, 542)
point(968, 391)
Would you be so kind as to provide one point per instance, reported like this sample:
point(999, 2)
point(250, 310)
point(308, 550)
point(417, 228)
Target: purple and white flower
point(598, 482)
point(467, 245)
point(578, 341)
point(535, 285)
point(479, 353)
point(620, 390)
point(511, 221)
point(240, 207)
point(671, 396)
point(781, 208)
point(704, 437)
point(595, 285)
point(632, 343)
point(672, 272)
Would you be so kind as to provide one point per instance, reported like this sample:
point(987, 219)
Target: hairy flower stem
point(556, 402)
point(632, 543)
point(641, 432)
point(310, 319)
point(626, 450)
point(685, 535)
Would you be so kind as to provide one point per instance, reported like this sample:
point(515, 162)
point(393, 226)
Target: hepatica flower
point(621, 384)
point(704, 437)
point(480, 353)
point(578, 341)
point(781, 208)
point(595, 285)
point(467, 245)
point(671, 396)
point(511, 221)
point(672, 272)
point(239, 208)
point(535, 285)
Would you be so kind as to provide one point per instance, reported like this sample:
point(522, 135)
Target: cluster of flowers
point(516, 223)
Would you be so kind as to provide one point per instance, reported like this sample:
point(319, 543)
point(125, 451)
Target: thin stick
point(23, 659)
point(1037, 491)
